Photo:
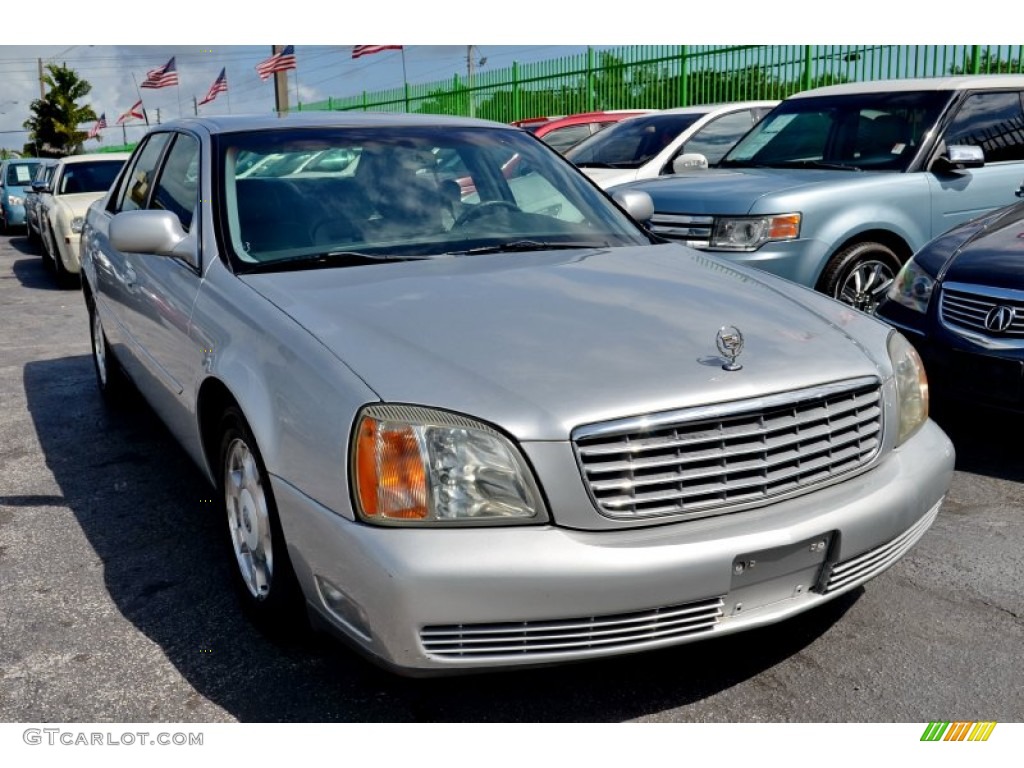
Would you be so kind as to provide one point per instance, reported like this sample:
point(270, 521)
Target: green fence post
point(365, 102)
point(406, 86)
point(590, 80)
point(807, 79)
point(684, 85)
point(517, 104)
point(975, 59)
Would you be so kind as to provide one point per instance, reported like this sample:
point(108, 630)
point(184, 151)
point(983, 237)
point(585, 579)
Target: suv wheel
point(860, 275)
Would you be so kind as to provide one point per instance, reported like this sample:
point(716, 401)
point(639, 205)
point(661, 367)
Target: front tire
point(860, 275)
point(110, 378)
point(263, 573)
point(65, 278)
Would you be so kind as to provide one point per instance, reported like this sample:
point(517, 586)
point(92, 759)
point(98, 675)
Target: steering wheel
point(480, 209)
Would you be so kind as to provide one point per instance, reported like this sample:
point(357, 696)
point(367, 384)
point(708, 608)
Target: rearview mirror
point(689, 161)
point(959, 157)
point(637, 204)
point(157, 232)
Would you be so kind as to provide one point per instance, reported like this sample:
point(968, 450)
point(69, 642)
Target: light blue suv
point(15, 178)
point(838, 186)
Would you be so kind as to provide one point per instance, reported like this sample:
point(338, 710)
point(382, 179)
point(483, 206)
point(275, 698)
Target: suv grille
point(968, 306)
point(695, 231)
point(707, 460)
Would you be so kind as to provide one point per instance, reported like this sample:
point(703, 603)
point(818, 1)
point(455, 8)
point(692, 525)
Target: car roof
point(95, 156)
point(219, 124)
point(957, 83)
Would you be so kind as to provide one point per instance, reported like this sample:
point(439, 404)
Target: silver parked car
point(467, 413)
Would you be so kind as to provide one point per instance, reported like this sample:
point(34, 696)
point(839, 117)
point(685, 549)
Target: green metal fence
point(658, 77)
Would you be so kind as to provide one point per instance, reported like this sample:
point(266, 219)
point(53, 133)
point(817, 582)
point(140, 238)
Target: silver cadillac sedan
point(463, 410)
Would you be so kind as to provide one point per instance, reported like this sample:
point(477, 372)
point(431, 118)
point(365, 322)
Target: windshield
point(294, 197)
point(631, 143)
point(869, 131)
point(20, 174)
point(91, 176)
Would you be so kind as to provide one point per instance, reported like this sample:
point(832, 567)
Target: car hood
point(993, 256)
point(735, 191)
point(539, 343)
point(78, 203)
point(609, 177)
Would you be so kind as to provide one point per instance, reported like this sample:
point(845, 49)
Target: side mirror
point(637, 204)
point(959, 157)
point(1020, 190)
point(39, 186)
point(689, 161)
point(157, 232)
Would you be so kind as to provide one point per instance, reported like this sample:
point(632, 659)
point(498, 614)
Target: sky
point(102, 45)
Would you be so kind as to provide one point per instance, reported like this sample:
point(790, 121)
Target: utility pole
point(195, 106)
point(280, 85)
point(42, 85)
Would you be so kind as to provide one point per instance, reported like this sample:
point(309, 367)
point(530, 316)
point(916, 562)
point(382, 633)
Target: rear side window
point(992, 121)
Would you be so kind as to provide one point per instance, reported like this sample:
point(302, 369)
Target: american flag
point(279, 62)
point(366, 50)
point(135, 112)
point(220, 85)
point(100, 124)
point(162, 76)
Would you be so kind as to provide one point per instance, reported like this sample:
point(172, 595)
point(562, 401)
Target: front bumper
point(14, 215)
point(425, 601)
point(801, 261)
point(958, 368)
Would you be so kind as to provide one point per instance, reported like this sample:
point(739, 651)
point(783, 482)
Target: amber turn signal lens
point(784, 227)
point(390, 476)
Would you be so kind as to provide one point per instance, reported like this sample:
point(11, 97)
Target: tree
point(53, 127)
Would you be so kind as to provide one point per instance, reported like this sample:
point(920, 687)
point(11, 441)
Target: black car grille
point(974, 308)
point(714, 459)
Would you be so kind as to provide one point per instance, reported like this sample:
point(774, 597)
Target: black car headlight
point(912, 287)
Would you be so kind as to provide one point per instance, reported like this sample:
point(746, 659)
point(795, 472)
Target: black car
point(960, 301)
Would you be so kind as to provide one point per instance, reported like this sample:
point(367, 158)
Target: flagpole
point(145, 115)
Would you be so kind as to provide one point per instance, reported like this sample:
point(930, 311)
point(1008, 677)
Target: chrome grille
point(707, 460)
point(695, 231)
point(569, 636)
point(864, 567)
point(968, 306)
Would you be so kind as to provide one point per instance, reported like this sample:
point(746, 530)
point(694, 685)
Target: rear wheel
point(262, 569)
point(65, 278)
point(860, 275)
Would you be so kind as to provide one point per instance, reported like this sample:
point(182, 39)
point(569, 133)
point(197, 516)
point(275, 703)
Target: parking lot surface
point(116, 606)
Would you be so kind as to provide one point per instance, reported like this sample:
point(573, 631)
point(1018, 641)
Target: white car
point(663, 142)
point(77, 182)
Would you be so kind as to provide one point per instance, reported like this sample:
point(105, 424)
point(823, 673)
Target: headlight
point(418, 465)
point(911, 386)
point(76, 224)
point(748, 233)
point(912, 287)
point(15, 200)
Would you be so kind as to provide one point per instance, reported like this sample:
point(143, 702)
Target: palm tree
point(55, 118)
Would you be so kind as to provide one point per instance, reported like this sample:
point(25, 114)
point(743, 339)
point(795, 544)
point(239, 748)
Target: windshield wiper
point(821, 164)
point(521, 246)
point(329, 259)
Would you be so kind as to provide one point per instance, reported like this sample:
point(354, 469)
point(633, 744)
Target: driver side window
point(136, 183)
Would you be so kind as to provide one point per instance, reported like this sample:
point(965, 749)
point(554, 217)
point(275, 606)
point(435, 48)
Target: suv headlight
point(912, 287)
point(418, 465)
point(15, 200)
point(911, 386)
point(76, 224)
point(748, 233)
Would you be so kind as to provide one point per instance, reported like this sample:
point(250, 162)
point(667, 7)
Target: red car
point(565, 132)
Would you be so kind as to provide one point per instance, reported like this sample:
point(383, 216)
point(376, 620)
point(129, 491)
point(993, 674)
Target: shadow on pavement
point(32, 273)
point(987, 442)
point(145, 509)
